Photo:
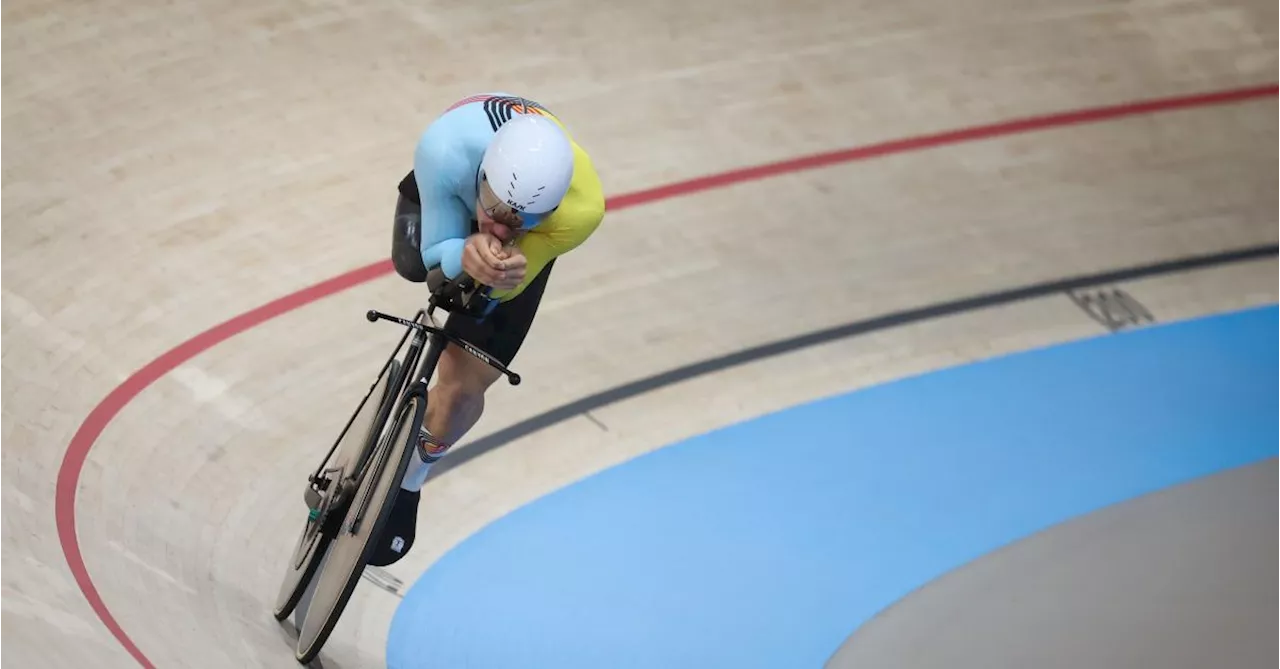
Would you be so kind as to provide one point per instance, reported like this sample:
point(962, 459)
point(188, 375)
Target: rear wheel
point(326, 506)
point(347, 554)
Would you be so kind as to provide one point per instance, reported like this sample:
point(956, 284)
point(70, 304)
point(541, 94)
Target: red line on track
point(98, 419)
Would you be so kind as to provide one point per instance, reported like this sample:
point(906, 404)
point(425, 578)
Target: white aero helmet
point(529, 163)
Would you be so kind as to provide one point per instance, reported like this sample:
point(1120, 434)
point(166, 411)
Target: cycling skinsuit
point(438, 199)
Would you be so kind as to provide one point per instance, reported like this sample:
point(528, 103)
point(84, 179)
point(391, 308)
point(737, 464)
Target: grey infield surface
point(1184, 578)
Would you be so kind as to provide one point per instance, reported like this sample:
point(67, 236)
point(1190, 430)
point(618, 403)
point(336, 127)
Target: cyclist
point(498, 191)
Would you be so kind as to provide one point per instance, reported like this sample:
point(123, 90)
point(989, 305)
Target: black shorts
point(503, 331)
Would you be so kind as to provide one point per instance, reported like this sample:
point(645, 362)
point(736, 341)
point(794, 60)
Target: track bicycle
point(351, 493)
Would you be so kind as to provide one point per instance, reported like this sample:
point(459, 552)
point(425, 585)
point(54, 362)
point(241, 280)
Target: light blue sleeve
point(439, 166)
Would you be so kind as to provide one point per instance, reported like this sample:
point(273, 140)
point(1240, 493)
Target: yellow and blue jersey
point(446, 162)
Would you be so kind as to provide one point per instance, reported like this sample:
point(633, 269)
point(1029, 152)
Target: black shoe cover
point(397, 535)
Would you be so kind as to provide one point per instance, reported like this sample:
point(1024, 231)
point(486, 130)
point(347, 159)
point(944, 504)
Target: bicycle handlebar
point(374, 315)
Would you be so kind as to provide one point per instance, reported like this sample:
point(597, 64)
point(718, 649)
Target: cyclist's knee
point(462, 374)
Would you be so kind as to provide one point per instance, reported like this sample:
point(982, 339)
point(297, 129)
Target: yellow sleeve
point(578, 215)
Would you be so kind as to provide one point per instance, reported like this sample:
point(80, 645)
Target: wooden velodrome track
point(171, 167)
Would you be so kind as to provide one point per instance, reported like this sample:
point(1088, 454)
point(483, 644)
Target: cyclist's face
point(503, 231)
point(493, 215)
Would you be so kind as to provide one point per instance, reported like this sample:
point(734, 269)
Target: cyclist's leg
point(456, 401)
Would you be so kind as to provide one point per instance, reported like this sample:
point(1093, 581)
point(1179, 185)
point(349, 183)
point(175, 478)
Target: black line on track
point(580, 406)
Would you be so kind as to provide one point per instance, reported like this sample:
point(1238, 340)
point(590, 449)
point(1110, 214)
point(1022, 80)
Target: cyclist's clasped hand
point(487, 261)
